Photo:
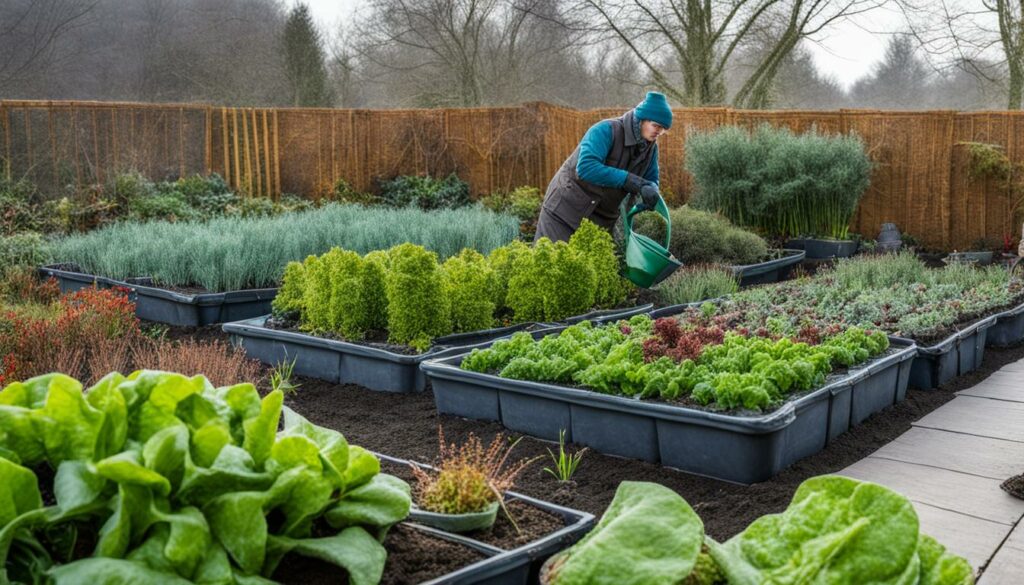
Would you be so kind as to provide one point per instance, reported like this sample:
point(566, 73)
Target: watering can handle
point(660, 208)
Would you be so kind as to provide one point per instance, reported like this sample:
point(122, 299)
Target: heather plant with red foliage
point(679, 343)
point(69, 342)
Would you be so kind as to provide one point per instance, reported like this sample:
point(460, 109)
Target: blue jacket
point(594, 148)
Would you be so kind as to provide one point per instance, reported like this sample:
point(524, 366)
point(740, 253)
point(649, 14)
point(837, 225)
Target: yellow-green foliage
point(290, 297)
point(551, 283)
point(417, 307)
point(317, 296)
point(501, 260)
point(374, 292)
point(598, 247)
point(471, 287)
point(348, 311)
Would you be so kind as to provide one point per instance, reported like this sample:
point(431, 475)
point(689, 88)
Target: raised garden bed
point(344, 362)
point(738, 448)
point(958, 354)
point(769, 271)
point(511, 559)
point(377, 368)
point(1008, 328)
point(821, 249)
point(162, 305)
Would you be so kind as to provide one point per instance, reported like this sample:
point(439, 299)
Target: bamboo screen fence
point(921, 180)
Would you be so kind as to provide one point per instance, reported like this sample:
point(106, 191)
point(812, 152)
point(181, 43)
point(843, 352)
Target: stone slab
point(967, 494)
point(1007, 566)
point(971, 415)
point(992, 458)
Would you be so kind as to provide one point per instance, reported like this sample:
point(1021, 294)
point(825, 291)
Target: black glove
point(634, 183)
point(649, 194)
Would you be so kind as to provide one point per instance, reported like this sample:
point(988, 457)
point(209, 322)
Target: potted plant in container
point(467, 488)
point(804, 188)
point(981, 253)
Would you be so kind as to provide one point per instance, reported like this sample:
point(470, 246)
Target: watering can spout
point(647, 261)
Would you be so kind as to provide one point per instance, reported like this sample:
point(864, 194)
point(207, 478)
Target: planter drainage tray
point(519, 566)
point(743, 449)
point(958, 354)
point(769, 271)
point(1008, 328)
point(344, 362)
point(173, 308)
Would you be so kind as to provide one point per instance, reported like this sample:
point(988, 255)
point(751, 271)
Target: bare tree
point(901, 81)
point(984, 38)
point(704, 36)
point(31, 33)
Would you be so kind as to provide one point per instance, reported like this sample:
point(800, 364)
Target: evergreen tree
point(304, 59)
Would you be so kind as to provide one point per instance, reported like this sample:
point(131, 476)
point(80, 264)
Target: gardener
point(617, 157)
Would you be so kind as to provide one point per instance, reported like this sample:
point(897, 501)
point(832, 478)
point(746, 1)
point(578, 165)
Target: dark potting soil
point(405, 426)
point(533, 523)
point(375, 339)
point(1014, 486)
point(413, 557)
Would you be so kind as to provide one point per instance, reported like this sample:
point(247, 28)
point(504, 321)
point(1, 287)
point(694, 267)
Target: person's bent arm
point(594, 148)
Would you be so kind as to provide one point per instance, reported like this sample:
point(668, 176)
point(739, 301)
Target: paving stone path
point(950, 465)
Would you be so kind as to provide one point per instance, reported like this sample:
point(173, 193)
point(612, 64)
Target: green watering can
point(647, 261)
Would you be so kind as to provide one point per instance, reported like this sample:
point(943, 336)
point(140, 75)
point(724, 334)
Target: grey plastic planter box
point(519, 566)
point(1008, 328)
point(343, 362)
point(958, 354)
point(165, 306)
point(71, 280)
point(743, 449)
point(609, 315)
point(771, 271)
point(821, 249)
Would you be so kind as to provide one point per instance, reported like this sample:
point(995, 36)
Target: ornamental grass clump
point(238, 253)
point(468, 477)
point(780, 183)
point(696, 283)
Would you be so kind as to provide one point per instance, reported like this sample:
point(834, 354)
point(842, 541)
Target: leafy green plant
point(425, 192)
point(692, 284)
point(468, 476)
point(24, 250)
point(648, 535)
point(290, 297)
point(343, 192)
point(281, 377)
point(702, 237)
point(502, 260)
point(180, 481)
point(551, 282)
point(778, 182)
point(237, 253)
point(471, 287)
point(838, 529)
point(418, 310)
point(565, 464)
point(598, 248)
point(522, 202)
point(835, 530)
point(664, 359)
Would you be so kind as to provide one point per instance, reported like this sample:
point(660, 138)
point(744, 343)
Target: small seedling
point(565, 464)
point(281, 377)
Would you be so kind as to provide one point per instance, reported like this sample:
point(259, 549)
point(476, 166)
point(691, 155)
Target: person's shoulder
point(602, 126)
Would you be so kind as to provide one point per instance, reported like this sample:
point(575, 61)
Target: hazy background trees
point(434, 53)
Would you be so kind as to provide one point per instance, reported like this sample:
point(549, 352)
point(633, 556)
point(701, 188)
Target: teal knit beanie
point(655, 108)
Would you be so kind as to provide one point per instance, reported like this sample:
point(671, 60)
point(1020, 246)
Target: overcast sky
point(847, 52)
